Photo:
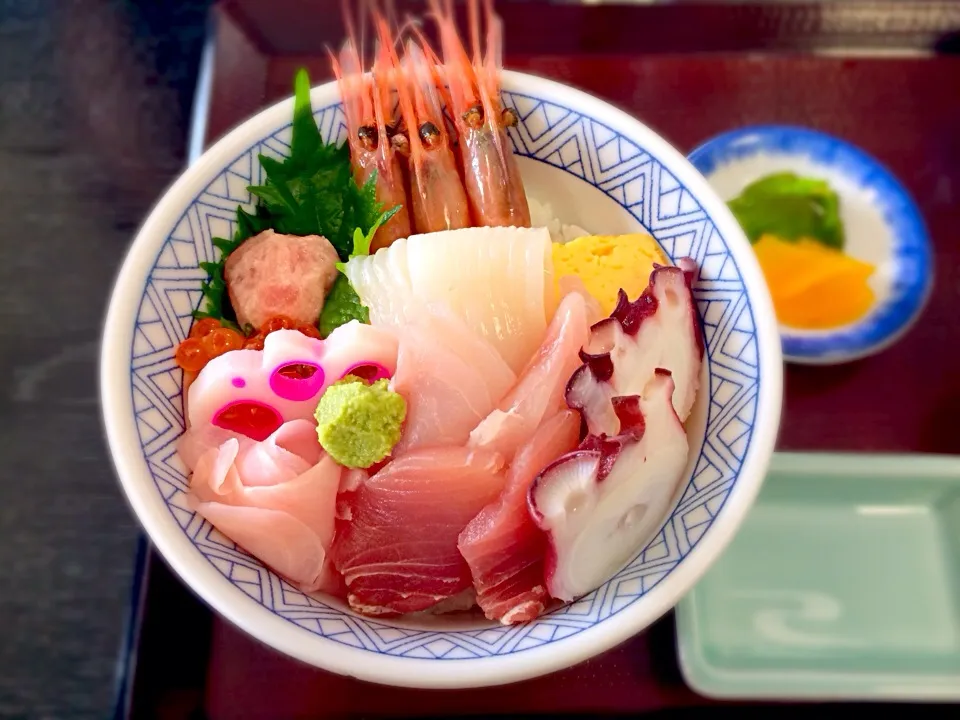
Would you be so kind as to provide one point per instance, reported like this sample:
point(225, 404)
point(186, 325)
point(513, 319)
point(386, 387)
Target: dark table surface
point(94, 104)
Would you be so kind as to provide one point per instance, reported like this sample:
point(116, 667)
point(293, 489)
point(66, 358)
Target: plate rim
point(714, 681)
point(752, 139)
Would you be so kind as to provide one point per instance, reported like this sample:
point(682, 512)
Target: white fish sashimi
point(498, 281)
point(450, 378)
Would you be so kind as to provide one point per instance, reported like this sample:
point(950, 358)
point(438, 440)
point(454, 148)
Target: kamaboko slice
point(600, 503)
point(498, 280)
point(660, 329)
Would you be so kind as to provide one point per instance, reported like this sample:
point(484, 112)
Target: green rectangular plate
point(842, 583)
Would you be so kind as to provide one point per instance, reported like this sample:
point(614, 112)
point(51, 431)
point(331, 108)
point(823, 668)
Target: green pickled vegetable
point(790, 207)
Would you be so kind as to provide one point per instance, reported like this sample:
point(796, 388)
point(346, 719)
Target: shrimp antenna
point(387, 55)
point(494, 36)
point(348, 25)
point(435, 66)
point(391, 13)
point(473, 8)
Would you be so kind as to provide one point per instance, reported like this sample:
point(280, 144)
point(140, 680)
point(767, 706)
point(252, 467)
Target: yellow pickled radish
point(814, 287)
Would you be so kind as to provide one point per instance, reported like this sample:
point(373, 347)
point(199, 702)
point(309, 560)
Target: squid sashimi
point(502, 545)
point(499, 281)
point(397, 551)
point(539, 393)
point(450, 378)
point(275, 498)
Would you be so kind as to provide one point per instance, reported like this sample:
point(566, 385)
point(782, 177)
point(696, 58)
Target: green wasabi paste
point(359, 423)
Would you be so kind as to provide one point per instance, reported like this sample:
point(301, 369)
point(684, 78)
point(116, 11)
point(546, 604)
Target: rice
point(541, 215)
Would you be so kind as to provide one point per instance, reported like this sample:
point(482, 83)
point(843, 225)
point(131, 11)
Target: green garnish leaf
point(790, 207)
point(311, 192)
point(362, 240)
point(341, 306)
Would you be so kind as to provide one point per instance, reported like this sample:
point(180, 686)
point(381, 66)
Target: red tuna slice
point(658, 330)
point(272, 274)
point(502, 545)
point(602, 502)
point(539, 393)
point(398, 549)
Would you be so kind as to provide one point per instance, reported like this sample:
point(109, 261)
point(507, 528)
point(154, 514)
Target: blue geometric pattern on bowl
point(554, 135)
point(912, 255)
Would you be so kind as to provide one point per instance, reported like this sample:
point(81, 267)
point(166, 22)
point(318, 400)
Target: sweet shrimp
point(365, 99)
point(491, 175)
point(437, 195)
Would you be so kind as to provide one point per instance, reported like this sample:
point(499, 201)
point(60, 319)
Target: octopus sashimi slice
point(539, 393)
point(502, 545)
point(498, 281)
point(276, 499)
point(398, 552)
point(450, 378)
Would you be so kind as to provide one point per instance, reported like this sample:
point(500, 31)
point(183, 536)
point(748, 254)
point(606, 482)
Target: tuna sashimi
point(502, 545)
point(540, 391)
point(276, 498)
point(272, 274)
point(398, 552)
point(499, 281)
point(450, 378)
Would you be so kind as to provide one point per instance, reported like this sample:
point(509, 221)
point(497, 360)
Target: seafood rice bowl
point(440, 375)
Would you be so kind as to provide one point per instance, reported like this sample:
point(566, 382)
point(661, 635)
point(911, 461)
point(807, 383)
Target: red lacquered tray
point(880, 74)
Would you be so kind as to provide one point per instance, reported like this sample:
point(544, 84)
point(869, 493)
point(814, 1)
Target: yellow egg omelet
point(607, 263)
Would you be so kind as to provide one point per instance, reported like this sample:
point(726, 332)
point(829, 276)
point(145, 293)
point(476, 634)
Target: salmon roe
point(309, 331)
point(204, 327)
point(220, 341)
point(278, 322)
point(191, 356)
point(254, 342)
point(209, 339)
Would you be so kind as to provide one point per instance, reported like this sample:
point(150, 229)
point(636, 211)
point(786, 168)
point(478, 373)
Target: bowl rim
point(820, 347)
point(230, 602)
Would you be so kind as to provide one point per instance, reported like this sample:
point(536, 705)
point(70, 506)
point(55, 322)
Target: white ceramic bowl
point(883, 227)
point(603, 170)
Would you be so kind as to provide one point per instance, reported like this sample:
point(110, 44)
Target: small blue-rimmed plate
point(883, 227)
